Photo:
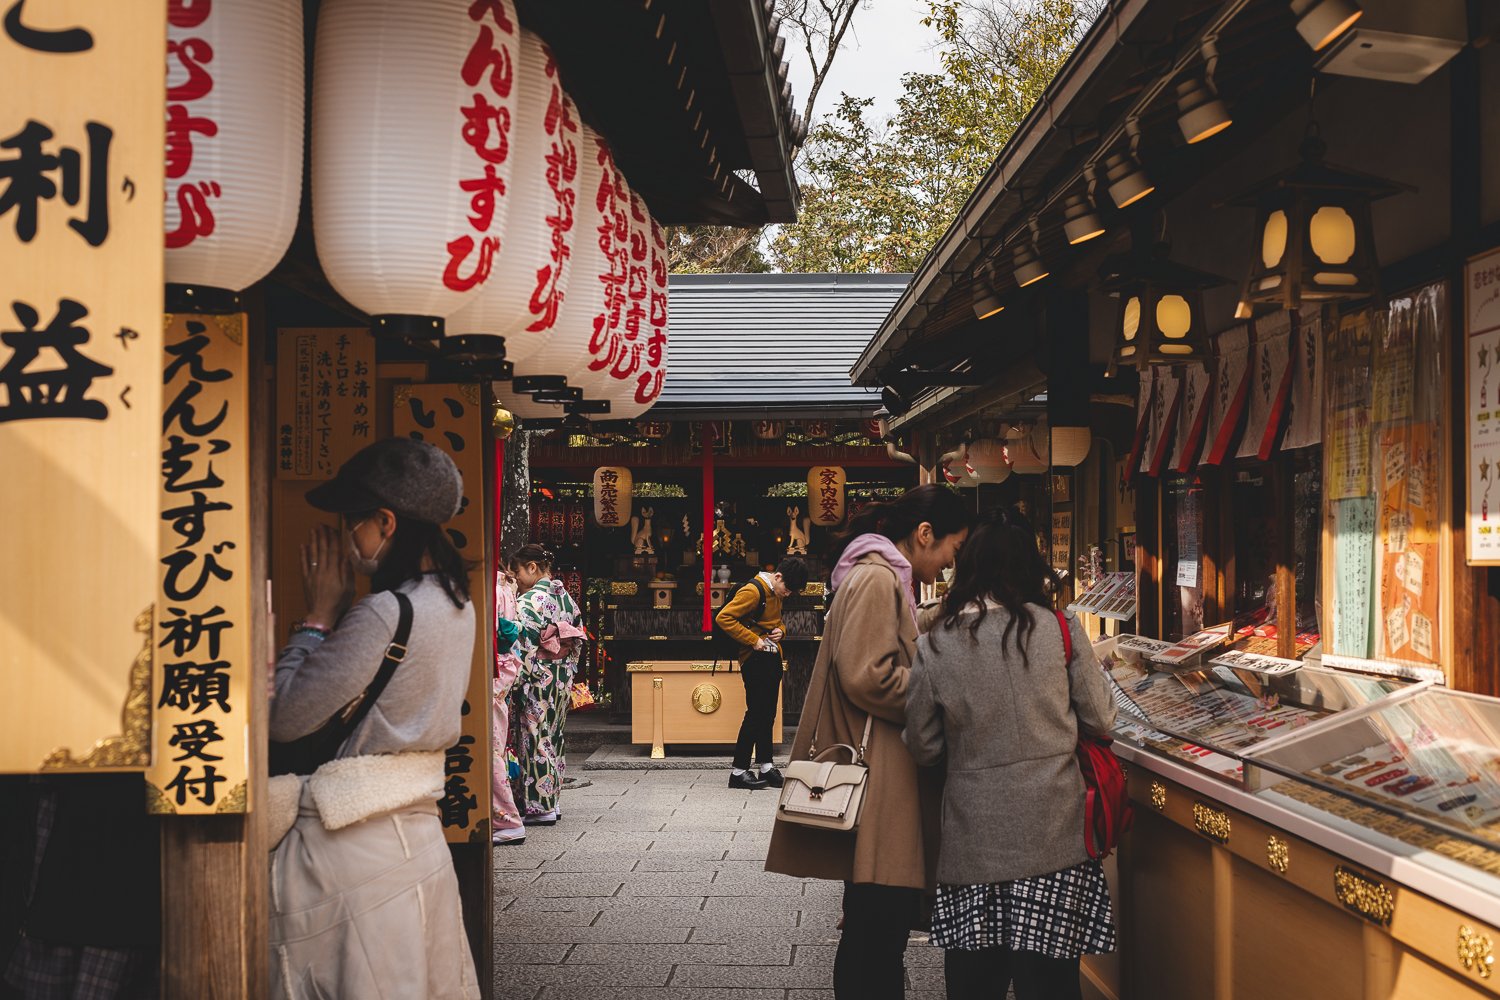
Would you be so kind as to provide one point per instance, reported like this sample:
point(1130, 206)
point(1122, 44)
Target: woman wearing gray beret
point(364, 900)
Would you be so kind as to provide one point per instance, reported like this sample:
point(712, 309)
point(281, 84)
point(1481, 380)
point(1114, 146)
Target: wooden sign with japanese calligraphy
point(452, 417)
point(81, 139)
point(201, 681)
point(325, 399)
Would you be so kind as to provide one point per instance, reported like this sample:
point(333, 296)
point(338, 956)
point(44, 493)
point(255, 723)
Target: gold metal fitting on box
point(1364, 895)
point(1475, 953)
point(1278, 856)
point(1158, 796)
point(1212, 823)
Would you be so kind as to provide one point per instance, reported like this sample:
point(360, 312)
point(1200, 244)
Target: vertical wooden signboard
point(201, 684)
point(81, 139)
point(452, 417)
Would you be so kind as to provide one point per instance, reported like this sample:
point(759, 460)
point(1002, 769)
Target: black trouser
point(871, 960)
point(987, 974)
point(762, 676)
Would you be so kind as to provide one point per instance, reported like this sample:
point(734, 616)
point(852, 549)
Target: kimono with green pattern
point(542, 695)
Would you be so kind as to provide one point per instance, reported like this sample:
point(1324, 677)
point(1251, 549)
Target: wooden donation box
point(687, 701)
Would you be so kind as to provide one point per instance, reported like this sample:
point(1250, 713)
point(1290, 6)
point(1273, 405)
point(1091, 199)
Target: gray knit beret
point(413, 478)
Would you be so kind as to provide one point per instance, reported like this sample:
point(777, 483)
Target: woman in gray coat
point(994, 697)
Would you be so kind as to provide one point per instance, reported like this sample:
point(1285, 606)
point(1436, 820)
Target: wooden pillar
point(1283, 487)
point(1148, 556)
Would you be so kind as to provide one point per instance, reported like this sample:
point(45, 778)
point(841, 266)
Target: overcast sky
point(885, 40)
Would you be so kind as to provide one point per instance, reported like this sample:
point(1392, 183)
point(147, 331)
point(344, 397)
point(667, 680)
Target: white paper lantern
point(234, 140)
point(1071, 445)
point(528, 286)
point(1021, 449)
point(564, 349)
point(410, 153)
point(633, 349)
point(988, 460)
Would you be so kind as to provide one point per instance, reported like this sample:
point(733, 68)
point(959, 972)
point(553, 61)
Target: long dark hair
point(937, 505)
point(413, 540)
point(1000, 561)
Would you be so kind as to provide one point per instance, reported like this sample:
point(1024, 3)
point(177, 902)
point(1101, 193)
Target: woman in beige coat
point(862, 669)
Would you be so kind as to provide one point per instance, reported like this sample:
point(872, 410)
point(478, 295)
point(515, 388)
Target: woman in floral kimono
point(505, 817)
point(548, 646)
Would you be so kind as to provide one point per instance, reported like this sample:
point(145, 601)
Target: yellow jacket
point(741, 608)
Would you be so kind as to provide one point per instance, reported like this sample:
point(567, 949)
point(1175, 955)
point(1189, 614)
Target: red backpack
point(1107, 812)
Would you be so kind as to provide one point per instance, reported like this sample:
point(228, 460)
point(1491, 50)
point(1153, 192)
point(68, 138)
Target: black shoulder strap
point(394, 654)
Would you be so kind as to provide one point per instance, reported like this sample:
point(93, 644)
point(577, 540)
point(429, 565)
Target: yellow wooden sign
point(81, 139)
point(201, 686)
point(325, 399)
point(452, 417)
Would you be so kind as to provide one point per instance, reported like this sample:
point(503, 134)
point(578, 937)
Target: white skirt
point(368, 911)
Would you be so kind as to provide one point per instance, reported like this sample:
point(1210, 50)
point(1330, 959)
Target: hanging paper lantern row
point(612, 496)
point(825, 495)
point(234, 139)
point(421, 236)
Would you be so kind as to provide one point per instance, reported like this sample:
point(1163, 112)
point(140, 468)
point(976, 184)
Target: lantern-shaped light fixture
point(1319, 22)
point(1161, 308)
point(1314, 240)
point(629, 342)
point(613, 486)
point(1022, 452)
point(234, 146)
point(825, 495)
point(988, 461)
point(410, 236)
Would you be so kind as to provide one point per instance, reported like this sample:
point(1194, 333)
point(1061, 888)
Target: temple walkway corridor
point(652, 887)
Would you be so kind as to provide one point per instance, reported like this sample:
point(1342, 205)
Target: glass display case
point(1428, 757)
point(1213, 711)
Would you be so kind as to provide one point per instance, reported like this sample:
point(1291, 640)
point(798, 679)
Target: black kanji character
point(189, 520)
point(184, 630)
point(201, 788)
point(37, 388)
point(176, 462)
point(194, 685)
point(27, 180)
point(193, 737)
point(181, 410)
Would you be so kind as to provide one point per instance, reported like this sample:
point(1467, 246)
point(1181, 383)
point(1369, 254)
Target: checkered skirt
point(1065, 914)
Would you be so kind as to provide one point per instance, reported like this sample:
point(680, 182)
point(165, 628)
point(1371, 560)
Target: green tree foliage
point(877, 196)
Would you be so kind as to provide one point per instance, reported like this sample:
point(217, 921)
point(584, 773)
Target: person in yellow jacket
point(753, 619)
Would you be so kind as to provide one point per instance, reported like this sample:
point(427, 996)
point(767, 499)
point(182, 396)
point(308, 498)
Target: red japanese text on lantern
point(562, 174)
point(486, 131)
point(613, 202)
point(188, 81)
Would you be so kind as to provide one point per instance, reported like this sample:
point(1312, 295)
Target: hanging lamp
point(1314, 238)
point(1161, 308)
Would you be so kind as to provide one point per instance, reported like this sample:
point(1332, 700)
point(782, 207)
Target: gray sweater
point(420, 708)
point(1013, 798)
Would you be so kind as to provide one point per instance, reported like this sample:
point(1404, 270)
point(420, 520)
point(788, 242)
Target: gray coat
point(1013, 801)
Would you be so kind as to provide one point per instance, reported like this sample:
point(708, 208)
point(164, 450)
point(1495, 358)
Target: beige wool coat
point(863, 667)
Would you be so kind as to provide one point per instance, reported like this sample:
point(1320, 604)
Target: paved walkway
point(652, 888)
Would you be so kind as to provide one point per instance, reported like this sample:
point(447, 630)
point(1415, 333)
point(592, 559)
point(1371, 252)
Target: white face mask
point(361, 564)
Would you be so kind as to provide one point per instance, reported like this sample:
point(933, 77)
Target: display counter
point(1267, 861)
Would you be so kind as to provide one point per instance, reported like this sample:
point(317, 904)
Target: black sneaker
point(747, 781)
point(772, 778)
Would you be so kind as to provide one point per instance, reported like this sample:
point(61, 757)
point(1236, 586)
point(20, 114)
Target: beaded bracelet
point(306, 628)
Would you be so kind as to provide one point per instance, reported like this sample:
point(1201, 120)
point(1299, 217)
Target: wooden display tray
point(687, 701)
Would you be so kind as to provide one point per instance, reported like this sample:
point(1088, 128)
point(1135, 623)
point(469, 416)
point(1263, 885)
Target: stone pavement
point(652, 887)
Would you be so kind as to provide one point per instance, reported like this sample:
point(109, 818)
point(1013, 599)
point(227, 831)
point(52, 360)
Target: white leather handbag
point(825, 794)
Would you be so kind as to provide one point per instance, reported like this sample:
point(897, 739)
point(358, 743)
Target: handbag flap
point(825, 775)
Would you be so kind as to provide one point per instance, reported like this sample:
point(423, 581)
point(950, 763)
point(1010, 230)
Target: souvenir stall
point(224, 356)
point(1283, 316)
